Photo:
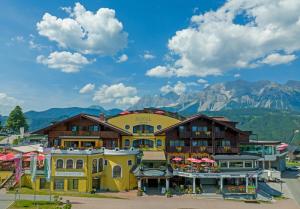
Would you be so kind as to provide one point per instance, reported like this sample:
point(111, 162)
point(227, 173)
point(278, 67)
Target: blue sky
point(122, 50)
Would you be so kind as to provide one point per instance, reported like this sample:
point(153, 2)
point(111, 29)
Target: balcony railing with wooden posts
point(227, 149)
point(102, 134)
point(197, 149)
point(178, 149)
point(201, 134)
point(184, 134)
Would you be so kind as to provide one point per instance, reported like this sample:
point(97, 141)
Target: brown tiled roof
point(89, 117)
point(194, 117)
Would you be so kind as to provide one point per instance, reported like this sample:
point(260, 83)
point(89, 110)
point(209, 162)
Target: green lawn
point(25, 190)
point(289, 163)
point(29, 204)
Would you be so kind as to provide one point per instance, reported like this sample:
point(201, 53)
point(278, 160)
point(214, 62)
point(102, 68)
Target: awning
point(154, 156)
point(7, 157)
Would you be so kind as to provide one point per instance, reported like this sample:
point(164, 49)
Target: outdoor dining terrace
point(194, 165)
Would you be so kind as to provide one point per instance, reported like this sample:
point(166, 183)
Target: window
point(79, 164)
point(176, 143)
point(69, 164)
point(100, 164)
point(129, 162)
point(72, 184)
point(105, 162)
point(158, 142)
point(223, 164)
point(127, 142)
point(94, 166)
point(236, 164)
point(143, 129)
point(127, 127)
point(158, 127)
point(117, 171)
point(88, 144)
point(198, 143)
point(141, 143)
point(73, 144)
point(59, 163)
point(94, 128)
point(59, 184)
point(74, 128)
point(44, 184)
point(224, 143)
point(199, 128)
point(248, 164)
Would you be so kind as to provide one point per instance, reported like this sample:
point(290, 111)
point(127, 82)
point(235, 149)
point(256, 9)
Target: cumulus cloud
point(160, 71)
point(217, 41)
point(122, 58)
point(148, 56)
point(65, 61)
point(87, 88)
point(277, 59)
point(117, 94)
point(85, 31)
point(237, 75)
point(7, 103)
point(179, 88)
point(202, 81)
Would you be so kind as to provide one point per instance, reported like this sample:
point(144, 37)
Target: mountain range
point(237, 94)
point(269, 109)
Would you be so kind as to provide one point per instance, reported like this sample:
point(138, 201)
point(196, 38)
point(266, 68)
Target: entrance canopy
point(154, 156)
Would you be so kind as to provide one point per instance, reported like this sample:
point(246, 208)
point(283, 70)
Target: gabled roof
point(88, 117)
point(195, 117)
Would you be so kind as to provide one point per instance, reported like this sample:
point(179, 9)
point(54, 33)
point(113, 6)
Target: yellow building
point(87, 170)
point(142, 126)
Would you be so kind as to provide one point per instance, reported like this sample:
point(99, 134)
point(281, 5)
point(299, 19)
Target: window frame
point(77, 162)
point(63, 164)
point(121, 173)
point(67, 163)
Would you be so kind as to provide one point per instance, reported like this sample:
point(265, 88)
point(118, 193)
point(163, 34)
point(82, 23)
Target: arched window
point(100, 164)
point(59, 163)
point(127, 142)
point(69, 164)
point(94, 166)
point(79, 164)
point(143, 143)
point(117, 171)
point(143, 129)
point(158, 143)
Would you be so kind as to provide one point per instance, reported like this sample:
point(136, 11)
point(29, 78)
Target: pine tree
point(16, 120)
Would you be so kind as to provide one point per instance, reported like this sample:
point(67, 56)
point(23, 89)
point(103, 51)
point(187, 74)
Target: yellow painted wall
point(127, 181)
point(4, 175)
point(143, 118)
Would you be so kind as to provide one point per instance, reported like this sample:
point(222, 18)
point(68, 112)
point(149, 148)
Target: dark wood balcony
point(226, 150)
point(184, 134)
point(102, 134)
point(179, 149)
point(219, 134)
point(201, 134)
point(199, 149)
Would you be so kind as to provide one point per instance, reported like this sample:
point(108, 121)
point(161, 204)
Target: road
point(293, 184)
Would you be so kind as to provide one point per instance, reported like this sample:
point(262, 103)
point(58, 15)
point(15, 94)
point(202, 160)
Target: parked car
point(293, 168)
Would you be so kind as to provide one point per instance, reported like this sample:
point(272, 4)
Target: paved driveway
point(293, 183)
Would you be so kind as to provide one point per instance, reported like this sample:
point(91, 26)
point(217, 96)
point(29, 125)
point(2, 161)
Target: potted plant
point(168, 193)
point(140, 192)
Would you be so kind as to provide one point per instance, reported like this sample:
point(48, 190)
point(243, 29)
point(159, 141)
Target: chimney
point(102, 116)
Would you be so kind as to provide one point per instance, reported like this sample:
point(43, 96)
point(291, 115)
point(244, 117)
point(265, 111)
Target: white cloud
point(122, 58)
point(65, 61)
point(202, 81)
point(18, 39)
point(179, 88)
point(277, 59)
point(160, 71)
point(237, 75)
point(148, 56)
point(206, 85)
point(117, 94)
point(84, 31)
point(215, 42)
point(87, 88)
point(7, 103)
